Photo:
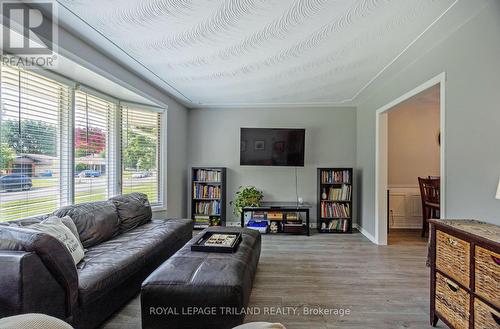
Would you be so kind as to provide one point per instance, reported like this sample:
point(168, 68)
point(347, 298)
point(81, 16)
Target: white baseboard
point(365, 233)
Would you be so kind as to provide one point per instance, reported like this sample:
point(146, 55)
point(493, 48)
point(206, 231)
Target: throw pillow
point(55, 228)
point(68, 222)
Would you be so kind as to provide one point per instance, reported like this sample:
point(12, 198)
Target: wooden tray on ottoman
point(215, 241)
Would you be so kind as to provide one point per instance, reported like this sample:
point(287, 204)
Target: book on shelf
point(335, 193)
point(208, 196)
point(292, 216)
point(340, 225)
point(332, 176)
point(259, 215)
point(259, 225)
point(293, 228)
point(201, 221)
point(329, 210)
point(298, 223)
point(206, 192)
point(206, 221)
point(204, 175)
point(275, 215)
point(338, 194)
point(207, 207)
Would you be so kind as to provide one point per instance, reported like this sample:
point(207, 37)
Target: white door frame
point(381, 155)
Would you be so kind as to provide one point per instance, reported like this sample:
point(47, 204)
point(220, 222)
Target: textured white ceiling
point(258, 52)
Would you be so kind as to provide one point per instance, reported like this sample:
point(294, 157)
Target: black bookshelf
point(335, 190)
point(208, 196)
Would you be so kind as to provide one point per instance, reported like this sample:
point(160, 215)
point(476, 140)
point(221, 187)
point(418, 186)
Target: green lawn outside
point(94, 195)
point(25, 208)
point(17, 209)
point(44, 182)
point(148, 188)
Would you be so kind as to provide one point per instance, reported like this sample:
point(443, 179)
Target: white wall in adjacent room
point(214, 140)
point(413, 146)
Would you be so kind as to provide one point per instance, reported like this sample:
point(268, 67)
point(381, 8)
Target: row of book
point(204, 221)
point(338, 194)
point(207, 175)
point(336, 225)
point(207, 208)
point(206, 192)
point(335, 176)
point(329, 210)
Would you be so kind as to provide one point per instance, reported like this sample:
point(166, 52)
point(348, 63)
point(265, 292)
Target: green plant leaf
point(246, 196)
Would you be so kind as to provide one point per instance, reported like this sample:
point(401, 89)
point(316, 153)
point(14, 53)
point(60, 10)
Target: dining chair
point(431, 197)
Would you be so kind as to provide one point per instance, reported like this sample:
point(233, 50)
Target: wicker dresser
point(465, 274)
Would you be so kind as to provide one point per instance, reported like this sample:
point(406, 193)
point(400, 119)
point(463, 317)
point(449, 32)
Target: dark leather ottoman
point(199, 290)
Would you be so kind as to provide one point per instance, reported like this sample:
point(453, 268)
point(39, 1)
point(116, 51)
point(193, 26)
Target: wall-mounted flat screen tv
point(272, 147)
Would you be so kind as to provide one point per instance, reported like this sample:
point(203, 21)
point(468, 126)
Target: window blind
point(140, 136)
point(94, 151)
point(31, 150)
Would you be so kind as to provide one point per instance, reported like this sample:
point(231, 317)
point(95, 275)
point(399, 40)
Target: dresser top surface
point(484, 230)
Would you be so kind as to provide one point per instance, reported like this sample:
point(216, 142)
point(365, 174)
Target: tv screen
point(272, 147)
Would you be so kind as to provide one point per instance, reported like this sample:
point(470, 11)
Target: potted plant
point(247, 196)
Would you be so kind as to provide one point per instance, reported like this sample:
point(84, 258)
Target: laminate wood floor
point(382, 286)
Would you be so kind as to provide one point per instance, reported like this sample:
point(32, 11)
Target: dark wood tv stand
point(284, 208)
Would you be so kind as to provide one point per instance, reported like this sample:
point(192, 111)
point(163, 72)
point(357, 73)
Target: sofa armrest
point(26, 286)
point(54, 256)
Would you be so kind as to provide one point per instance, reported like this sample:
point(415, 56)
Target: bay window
point(61, 143)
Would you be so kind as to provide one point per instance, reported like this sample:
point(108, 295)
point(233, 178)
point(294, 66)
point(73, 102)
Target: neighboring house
point(33, 165)
point(92, 163)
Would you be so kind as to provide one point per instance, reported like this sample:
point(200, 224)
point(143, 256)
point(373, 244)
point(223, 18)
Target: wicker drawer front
point(452, 302)
point(488, 275)
point(485, 317)
point(453, 257)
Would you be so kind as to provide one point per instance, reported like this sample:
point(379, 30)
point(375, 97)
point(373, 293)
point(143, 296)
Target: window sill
point(158, 208)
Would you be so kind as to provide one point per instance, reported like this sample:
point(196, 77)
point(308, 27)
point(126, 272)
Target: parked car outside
point(141, 174)
point(92, 173)
point(88, 173)
point(46, 173)
point(12, 182)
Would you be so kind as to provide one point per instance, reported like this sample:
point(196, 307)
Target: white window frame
point(163, 164)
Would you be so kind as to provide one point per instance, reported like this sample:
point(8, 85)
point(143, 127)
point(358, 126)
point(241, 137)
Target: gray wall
point(88, 56)
point(470, 56)
point(214, 140)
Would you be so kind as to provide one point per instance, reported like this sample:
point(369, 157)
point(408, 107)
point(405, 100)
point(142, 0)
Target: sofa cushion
point(24, 221)
point(54, 226)
point(107, 265)
point(96, 221)
point(133, 210)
